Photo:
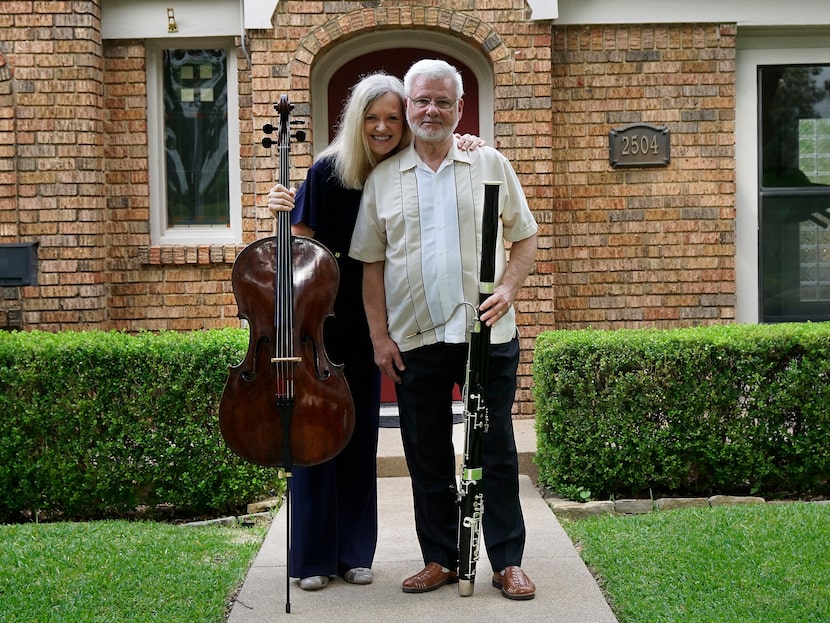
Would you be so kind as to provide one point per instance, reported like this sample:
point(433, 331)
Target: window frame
point(781, 47)
point(160, 232)
point(781, 236)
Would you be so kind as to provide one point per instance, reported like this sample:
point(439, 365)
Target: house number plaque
point(639, 145)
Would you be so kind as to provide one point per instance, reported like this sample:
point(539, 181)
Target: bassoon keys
point(470, 493)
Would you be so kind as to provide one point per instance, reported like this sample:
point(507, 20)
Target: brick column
point(54, 51)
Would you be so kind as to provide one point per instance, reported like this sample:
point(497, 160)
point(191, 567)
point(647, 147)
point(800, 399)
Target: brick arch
point(389, 18)
point(466, 27)
point(464, 37)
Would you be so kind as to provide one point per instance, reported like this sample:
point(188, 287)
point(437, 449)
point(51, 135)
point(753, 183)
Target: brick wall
point(644, 247)
point(617, 248)
point(178, 288)
point(56, 127)
point(11, 314)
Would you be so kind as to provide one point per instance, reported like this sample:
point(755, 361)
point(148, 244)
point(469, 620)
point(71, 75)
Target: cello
point(286, 404)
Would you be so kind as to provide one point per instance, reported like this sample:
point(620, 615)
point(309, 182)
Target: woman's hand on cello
point(281, 199)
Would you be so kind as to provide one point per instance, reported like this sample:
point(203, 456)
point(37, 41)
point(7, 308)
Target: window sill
point(203, 254)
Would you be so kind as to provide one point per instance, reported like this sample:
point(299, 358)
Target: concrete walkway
point(565, 590)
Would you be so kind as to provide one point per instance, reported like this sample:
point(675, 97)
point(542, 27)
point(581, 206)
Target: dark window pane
point(196, 137)
point(795, 196)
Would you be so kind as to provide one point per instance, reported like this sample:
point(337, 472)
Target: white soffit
point(258, 13)
point(755, 13)
point(148, 19)
point(543, 9)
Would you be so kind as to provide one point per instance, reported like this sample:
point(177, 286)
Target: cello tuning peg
point(299, 135)
point(267, 142)
point(268, 128)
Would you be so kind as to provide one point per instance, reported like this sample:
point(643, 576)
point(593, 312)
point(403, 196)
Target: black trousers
point(334, 510)
point(425, 406)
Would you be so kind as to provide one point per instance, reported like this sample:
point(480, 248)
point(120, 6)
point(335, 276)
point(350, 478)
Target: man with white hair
point(418, 233)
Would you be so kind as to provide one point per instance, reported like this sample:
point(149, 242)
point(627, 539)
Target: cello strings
point(285, 295)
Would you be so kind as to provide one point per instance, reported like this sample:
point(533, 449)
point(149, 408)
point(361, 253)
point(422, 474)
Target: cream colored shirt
point(389, 229)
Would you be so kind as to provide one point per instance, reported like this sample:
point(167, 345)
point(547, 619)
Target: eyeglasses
point(441, 104)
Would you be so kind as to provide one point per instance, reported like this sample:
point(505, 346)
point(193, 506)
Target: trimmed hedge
point(721, 409)
point(97, 424)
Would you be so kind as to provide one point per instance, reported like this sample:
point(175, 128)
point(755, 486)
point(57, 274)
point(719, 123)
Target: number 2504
point(639, 144)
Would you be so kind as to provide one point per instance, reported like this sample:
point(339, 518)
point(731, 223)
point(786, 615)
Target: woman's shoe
point(359, 575)
point(314, 582)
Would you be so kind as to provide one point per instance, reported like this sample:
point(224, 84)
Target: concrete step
point(391, 462)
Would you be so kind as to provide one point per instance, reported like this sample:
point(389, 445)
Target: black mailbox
point(18, 264)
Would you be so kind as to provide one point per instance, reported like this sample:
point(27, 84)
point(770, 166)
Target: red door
point(396, 62)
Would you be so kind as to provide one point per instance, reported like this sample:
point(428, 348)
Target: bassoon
point(470, 494)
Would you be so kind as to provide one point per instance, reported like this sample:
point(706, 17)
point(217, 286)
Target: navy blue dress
point(334, 505)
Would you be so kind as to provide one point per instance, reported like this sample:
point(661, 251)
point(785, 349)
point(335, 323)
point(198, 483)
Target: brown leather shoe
point(428, 579)
point(514, 584)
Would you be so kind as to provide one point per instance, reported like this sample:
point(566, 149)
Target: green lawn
point(742, 564)
point(122, 572)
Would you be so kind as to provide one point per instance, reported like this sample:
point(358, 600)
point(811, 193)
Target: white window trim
point(160, 233)
point(752, 52)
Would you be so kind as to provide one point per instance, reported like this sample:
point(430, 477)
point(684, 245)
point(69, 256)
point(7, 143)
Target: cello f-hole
point(250, 375)
point(321, 371)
